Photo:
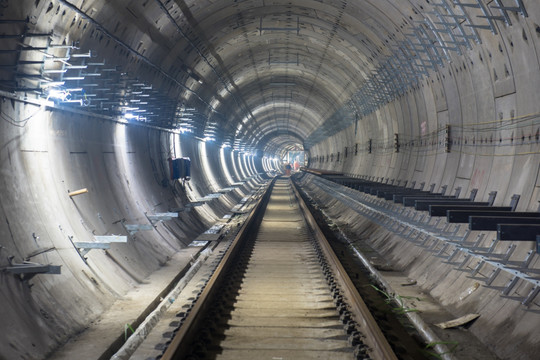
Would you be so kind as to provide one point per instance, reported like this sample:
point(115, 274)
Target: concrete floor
point(97, 339)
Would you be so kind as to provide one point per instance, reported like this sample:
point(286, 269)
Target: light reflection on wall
point(120, 143)
point(277, 165)
point(176, 150)
point(236, 160)
point(246, 165)
point(235, 168)
point(252, 164)
point(207, 171)
point(225, 167)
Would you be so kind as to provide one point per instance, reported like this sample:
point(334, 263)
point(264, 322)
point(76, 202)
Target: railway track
point(278, 293)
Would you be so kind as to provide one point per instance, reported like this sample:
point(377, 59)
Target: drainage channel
point(279, 293)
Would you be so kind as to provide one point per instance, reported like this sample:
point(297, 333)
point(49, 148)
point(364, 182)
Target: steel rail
point(374, 338)
point(186, 335)
point(180, 345)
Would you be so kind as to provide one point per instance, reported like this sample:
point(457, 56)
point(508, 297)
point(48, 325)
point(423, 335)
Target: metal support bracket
point(102, 242)
point(154, 218)
point(187, 207)
point(209, 197)
point(28, 270)
point(132, 229)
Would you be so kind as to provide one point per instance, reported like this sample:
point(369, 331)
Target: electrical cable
point(19, 123)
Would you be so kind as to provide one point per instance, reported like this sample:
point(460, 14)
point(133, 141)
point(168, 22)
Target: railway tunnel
point(101, 100)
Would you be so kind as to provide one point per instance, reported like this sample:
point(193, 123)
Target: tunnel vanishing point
point(96, 97)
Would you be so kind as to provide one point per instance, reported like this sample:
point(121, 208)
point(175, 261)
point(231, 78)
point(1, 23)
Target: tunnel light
point(61, 95)
point(130, 116)
point(208, 138)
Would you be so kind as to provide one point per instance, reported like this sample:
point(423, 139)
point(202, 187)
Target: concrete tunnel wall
point(486, 97)
point(483, 95)
point(124, 168)
point(489, 98)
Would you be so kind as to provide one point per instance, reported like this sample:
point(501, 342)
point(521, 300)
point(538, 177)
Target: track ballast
point(279, 294)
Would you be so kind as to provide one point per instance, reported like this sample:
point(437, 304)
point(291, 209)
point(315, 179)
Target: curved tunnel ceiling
point(238, 72)
point(255, 75)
